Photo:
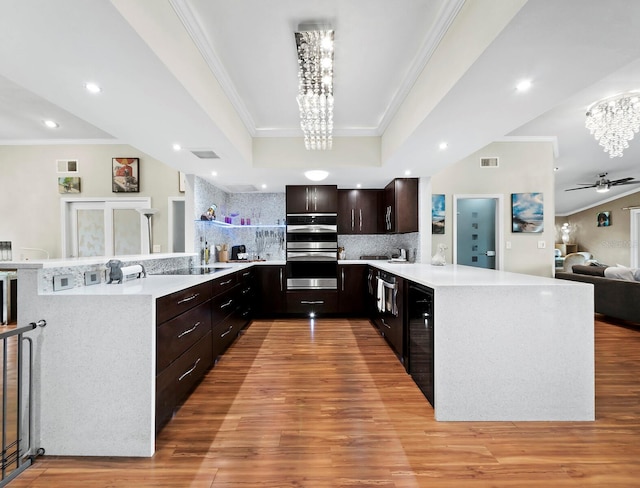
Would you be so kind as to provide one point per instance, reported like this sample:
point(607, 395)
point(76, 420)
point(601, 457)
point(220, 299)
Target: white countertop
point(425, 274)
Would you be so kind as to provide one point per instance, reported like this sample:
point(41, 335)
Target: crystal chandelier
point(315, 86)
point(613, 121)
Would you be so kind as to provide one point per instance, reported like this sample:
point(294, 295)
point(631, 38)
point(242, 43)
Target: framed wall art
point(437, 214)
point(67, 165)
point(69, 184)
point(527, 212)
point(604, 219)
point(125, 175)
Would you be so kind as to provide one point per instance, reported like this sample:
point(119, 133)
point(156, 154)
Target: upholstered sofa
point(616, 298)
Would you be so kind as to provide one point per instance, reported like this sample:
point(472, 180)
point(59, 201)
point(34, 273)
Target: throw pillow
point(619, 273)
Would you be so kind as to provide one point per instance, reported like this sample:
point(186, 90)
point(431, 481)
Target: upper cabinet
point(401, 206)
point(312, 199)
point(360, 212)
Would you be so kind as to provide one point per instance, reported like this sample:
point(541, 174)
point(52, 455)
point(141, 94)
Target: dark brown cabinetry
point(401, 206)
point(312, 302)
point(311, 199)
point(352, 289)
point(360, 211)
point(270, 283)
point(183, 346)
point(392, 326)
point(228, 309)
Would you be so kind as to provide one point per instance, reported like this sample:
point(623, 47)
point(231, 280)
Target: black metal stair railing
point(18, 451)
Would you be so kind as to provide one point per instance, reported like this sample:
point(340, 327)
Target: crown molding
point(194, 29)
point(442, 24)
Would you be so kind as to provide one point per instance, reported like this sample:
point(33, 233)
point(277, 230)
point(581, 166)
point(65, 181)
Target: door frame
point(67, 218)
point(499, 216)
point(170, 217)
point(634, 237)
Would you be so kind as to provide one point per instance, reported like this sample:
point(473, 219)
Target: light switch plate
point(62, 282)
point(91, 277)
point(542, 244)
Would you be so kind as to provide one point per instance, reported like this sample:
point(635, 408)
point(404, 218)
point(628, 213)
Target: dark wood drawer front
point(223, 305)
point(180, 333)
point(312, 301)
point(245, 276)
point(180, 377)
point(225, 333)
point(225, 283)
point(172, 305)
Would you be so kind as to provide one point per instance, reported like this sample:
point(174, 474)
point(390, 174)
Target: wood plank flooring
point(326, 404)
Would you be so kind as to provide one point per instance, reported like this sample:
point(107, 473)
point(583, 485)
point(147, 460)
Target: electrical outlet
point(542, 244)
point(62, 282)
point(157, 248)
point(508, 244)
point(91, 278)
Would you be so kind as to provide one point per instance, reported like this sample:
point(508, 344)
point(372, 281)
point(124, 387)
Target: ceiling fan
point(604, 185)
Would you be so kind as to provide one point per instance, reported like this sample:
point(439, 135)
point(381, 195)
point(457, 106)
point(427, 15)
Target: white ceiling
point(148, 57)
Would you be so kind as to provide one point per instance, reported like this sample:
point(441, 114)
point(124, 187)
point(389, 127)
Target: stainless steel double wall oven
point(312, 251)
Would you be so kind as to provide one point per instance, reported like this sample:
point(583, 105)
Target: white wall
point(523, 168)
point(30, 202)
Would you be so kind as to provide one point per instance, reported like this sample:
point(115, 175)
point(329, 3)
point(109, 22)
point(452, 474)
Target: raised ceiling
point(222, 75)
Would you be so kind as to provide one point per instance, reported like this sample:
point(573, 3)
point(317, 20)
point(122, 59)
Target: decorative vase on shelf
point(566, 230)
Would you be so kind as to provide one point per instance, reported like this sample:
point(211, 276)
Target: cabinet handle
point(246, 290)
point(188, 299)
point(281, 289)
point(342, 276)
point(188, 331)
point(353, 218)
point(360, 220)
point(315, 198)
point(385, 324)
point(226, 282)
point(225, 305)
point(311, 302)
point(306, 198)
point(186, 373)
point(246, 274)
point(226, 332)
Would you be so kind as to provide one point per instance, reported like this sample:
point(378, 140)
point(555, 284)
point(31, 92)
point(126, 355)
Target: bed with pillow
point(616, 288)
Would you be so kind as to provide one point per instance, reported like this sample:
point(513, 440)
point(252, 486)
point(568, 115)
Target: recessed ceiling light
point(264, 185)
point(443, 146)
point(316, 175)
point(177, 147)
point(214, 173)
point(523, 86)
point(358, 185)
point(407, 172)
point(92, 87)
point(556, 169)
point(51, 124)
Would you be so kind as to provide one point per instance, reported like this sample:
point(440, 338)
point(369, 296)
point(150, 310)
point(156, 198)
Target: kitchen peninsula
point(508, 347)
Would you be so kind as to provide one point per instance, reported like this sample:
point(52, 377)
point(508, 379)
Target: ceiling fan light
point(602, 188)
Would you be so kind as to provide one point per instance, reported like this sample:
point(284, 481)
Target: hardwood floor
point(295, 404)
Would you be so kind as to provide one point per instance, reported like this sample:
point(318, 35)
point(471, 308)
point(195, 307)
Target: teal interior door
point(476, 232)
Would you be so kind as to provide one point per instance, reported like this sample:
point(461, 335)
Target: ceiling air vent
point(205, 154)
point(488, 162)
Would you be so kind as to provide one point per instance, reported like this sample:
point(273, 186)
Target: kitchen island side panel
point(94, 373)
point(514, 353)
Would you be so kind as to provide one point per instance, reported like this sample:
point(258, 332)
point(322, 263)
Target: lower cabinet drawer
point(225, 332)
point(179, 378)
point(317, 302)
point(180, 333)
